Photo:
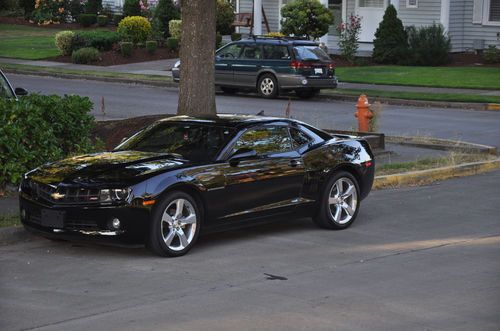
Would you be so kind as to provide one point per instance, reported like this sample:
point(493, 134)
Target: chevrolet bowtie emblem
point(57, 196)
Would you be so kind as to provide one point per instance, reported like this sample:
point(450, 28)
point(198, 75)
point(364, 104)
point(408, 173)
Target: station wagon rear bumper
point(294, 82)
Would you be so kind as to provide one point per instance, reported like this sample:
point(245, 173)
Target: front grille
point(61, 194)
point(83, 225)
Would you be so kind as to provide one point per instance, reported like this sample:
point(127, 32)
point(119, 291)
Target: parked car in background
point(183, 175)
point(272, 65)
point(6, 90)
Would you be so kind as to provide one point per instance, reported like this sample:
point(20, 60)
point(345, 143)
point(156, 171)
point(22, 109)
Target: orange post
point(363, 113)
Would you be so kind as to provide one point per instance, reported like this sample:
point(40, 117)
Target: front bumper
point(84, 221)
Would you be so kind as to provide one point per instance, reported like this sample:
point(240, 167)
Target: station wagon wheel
point(175, 225)
point(339, 203)
point(268, 86)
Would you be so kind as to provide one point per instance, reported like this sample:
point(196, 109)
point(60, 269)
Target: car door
point(248, 65)
point(224, 61)
point(269, 182)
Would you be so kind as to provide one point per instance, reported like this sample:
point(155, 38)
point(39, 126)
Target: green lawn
point(26, 42)
point(459, 77)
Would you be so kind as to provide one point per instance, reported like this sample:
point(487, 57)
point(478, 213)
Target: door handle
point(295, 163)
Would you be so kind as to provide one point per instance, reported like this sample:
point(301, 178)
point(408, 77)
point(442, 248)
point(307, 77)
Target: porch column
point(324, 39)
point(257, 17)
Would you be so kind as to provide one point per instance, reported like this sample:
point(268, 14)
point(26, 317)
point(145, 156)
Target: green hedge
point(102, 40)
point(39, 129)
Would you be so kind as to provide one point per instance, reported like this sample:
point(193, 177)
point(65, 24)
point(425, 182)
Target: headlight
point(112, 195)
point(177, 64)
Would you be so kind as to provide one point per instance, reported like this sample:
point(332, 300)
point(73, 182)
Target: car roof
point(229, 120)
point(277, 41)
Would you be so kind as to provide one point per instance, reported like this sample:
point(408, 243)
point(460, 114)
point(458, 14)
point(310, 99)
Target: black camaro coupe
point(181, 176)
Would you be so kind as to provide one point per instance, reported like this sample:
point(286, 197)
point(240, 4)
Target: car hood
point(108, 167)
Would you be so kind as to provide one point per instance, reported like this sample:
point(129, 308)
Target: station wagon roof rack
point(284, 38)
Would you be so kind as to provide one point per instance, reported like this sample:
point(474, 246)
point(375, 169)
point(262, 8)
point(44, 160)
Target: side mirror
point(241, 154)
point(20, 91)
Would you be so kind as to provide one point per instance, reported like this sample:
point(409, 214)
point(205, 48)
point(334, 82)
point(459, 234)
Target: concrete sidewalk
point(164, 67)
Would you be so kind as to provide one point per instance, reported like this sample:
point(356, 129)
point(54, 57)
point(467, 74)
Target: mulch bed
point(114, 57)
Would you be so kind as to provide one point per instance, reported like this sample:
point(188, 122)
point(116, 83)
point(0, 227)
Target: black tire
point(307, 94)
point(161, 230)
point(229, 90)
point(267, 86)
point(326, 216)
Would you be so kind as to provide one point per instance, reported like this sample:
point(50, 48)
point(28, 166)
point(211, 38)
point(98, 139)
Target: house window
point(371, 3)
point(411, 3)
point(494, 14)
point(336, 7)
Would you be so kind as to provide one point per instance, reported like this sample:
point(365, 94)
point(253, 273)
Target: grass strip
point(451, 159)
point(444, 97)
point(452, 77)
point(9, 220)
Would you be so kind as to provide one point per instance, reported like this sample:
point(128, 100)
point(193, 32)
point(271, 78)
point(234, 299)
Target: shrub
point(117, 18)
point(298, 22)
point(235, 36)
point(275, 34)
point(93, 6)
point(87, 20)
point(172, 43)
point(28, 6)
point(135, 29)
point(107, 11)
point(492, 54)
point(102, 40)
point(39, 129)
point(390, 44)
point(48, 12)
point(175, 28)
point(86, 55)
point(224, 17)
point(75, 9)
point(428, 46)
point(349, 36)
point(64, 42)
point(102, 20)
point(151, 46)
point(164, 12)
point(131, 8)
point(126, 48)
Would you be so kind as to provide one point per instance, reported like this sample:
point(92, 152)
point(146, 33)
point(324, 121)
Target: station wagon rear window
point(310, 53)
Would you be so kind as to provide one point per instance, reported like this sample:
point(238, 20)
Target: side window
point(252, 52)
point(299, 138)
point(5, 91)
point(276, 52)
point(230, 52)
point(265, 140)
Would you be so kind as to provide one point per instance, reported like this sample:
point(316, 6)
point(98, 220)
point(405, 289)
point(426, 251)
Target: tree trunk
point(197, 86)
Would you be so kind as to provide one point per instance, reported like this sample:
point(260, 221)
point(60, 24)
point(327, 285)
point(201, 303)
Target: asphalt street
point(126, 100)
point(418, 258)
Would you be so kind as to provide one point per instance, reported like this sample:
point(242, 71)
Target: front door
point(224, 61)
point(371, 12)
point(248, 65)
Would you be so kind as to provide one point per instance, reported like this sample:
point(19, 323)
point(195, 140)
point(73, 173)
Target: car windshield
point(191, 141)
point(5, 90)
point(310, 53)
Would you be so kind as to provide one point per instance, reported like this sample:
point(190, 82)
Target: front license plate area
point(318, 71)
point(52, 218)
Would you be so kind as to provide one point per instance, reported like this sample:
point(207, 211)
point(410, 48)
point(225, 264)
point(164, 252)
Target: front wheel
point(175, 225)
point(268, 86)
point(339, 203)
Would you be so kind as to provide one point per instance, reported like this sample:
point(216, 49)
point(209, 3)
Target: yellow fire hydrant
point(363, 114)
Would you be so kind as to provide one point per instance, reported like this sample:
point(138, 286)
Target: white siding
point(271, 8)
point(427, 13)
point(463, 32)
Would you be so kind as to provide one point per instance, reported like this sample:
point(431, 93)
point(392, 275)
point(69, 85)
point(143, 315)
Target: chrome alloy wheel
point(178, 224)
point(267, 86)
point(342, 200)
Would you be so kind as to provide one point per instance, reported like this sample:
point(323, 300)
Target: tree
point(197, 53)
point(306, 18)
point(164, 12)
point(391, 42)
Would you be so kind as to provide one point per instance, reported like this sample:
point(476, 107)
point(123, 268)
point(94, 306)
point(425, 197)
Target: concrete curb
point(442, 144)
point(341, 97)
point(422, 177)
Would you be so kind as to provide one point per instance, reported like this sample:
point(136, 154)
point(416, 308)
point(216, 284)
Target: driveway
point(423, 258)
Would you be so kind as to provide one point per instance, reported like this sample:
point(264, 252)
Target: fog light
point(304, 82)
point(115, 223)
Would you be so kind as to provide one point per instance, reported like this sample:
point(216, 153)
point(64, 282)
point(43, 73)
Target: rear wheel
point(339, 203)
point(175, 225)
point(268, 86)
point(307, 94)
